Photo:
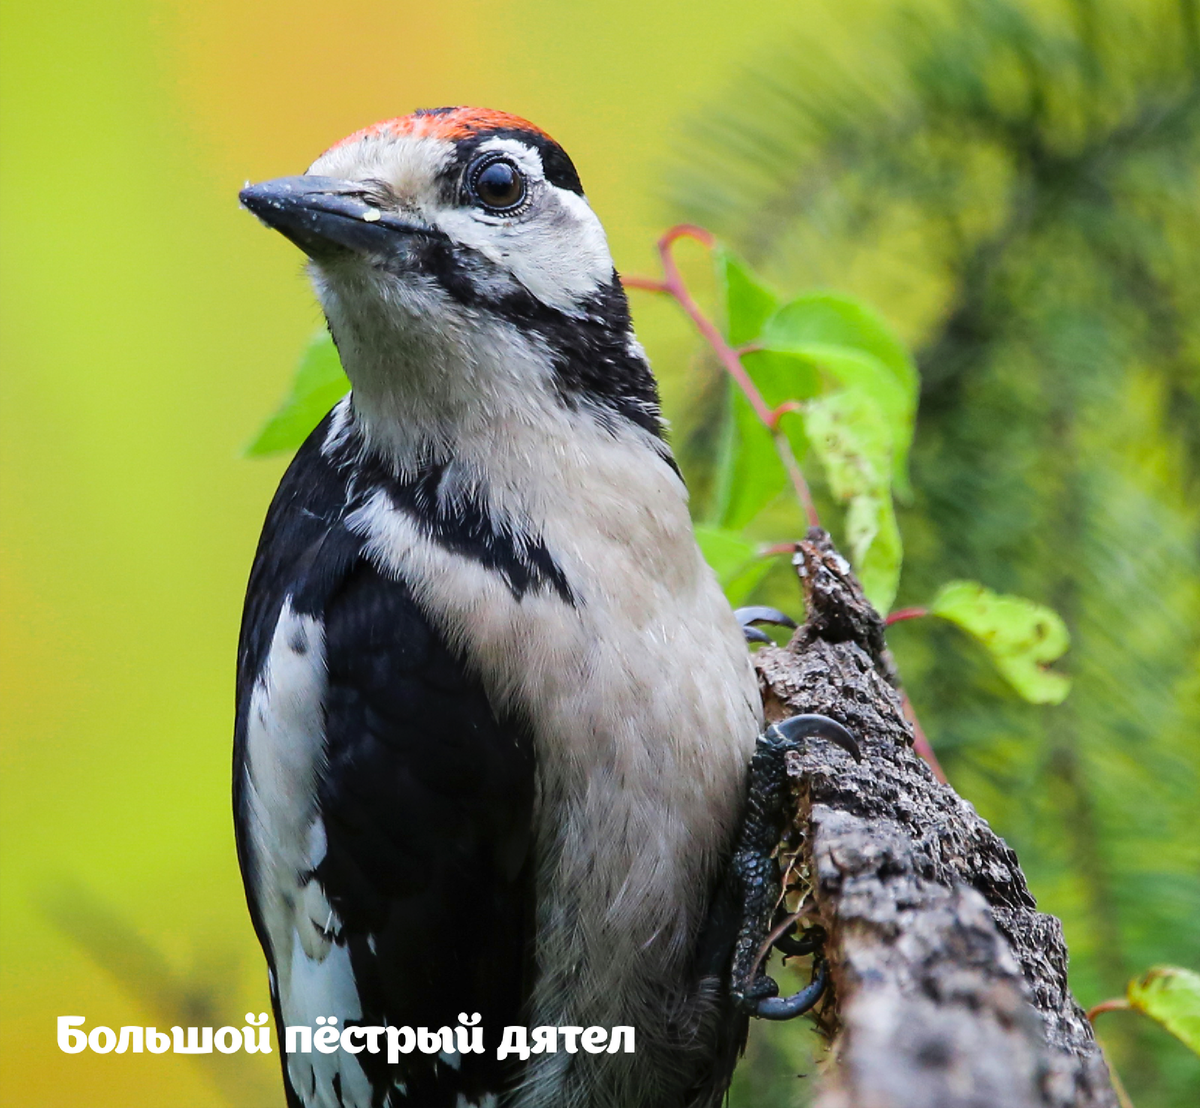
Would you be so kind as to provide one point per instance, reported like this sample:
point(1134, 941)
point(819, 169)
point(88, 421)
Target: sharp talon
point(757, 613)
point(801, 727)
point(753, 634)
point(788, 1007)
point(790, 946)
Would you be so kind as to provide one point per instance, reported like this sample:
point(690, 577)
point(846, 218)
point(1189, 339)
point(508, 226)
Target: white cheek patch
point(556, 248)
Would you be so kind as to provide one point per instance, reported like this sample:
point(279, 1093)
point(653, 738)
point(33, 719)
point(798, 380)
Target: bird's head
point(472, 200)
point(456, 228)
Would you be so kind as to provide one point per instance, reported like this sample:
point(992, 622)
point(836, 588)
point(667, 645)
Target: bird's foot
point(791, 946)
point(756, 873)
point(757, 613)
point(764, 1002)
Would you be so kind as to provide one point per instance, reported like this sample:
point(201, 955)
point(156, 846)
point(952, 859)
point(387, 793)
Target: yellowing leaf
point(852, 438)
point(1021, 637)
point(318, 385)
point(1170, 996)
point(856, 348)
point(875, 546)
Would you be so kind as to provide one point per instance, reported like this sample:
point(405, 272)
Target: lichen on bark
point(949, 987)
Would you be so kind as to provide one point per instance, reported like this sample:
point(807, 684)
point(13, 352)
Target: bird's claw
point(761, 998)
point(791, 947)
point(758, 613)
point(775, 1007)
point(788, 732)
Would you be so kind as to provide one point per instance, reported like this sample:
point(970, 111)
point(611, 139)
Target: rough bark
point(950, 988)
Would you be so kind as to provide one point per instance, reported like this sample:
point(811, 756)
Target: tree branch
point(950, 988)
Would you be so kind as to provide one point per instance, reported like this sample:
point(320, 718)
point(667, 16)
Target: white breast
point(642, 699)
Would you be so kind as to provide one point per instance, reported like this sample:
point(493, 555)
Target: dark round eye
point(498, 185)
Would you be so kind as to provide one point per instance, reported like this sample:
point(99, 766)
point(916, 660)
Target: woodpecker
point(494, 714)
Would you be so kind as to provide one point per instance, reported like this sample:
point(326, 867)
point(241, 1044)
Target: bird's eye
point(498, 185)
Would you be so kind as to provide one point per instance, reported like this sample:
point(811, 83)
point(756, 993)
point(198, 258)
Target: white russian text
point(621, 1037)
point(131, 1035)
point(204, 1034)
point(70, 1039)
point(513, 1042)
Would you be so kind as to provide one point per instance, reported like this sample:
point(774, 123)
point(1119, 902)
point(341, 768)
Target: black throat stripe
point(467, 529)
point(462, 526)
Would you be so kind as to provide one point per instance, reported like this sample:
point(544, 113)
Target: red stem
point(646, 284)
point(901, 614)
point(1117, 1004)
point(673, 284)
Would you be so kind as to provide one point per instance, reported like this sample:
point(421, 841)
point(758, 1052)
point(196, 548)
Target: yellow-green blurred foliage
point(1015, 184)
point(149, 326)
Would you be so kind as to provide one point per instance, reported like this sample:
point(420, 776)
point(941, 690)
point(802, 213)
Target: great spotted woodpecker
point(494, 715)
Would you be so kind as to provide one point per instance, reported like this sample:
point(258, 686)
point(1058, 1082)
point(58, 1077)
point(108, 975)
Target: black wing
point(426, 796)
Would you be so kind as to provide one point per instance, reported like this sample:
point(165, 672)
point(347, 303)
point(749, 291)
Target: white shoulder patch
point(324, 988)
point(284, 756)
point(339, 427)
point(284, 740)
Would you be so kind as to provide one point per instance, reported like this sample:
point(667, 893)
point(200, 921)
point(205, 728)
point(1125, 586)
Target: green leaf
point(1170, 996)
point(856, 348)
point(874, 539)
point(318, 385)
point(750, 474)
point(836, 320)
point(748, 302)
point(735, 561)
point(1021, 637)
point(853, 440)
point(726, 551)
point(855, 370)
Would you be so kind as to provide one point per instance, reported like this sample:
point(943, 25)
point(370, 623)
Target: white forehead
point(408, 164)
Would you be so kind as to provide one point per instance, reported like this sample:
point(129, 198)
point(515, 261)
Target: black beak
point(326, 217)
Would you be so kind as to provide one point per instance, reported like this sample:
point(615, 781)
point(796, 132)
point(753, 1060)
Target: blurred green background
point(1014, 186)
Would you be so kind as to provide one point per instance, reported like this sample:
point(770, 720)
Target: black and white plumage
point(494, 713)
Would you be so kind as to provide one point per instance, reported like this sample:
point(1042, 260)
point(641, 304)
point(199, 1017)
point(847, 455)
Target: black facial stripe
point(592, 356)
point(591, 349)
